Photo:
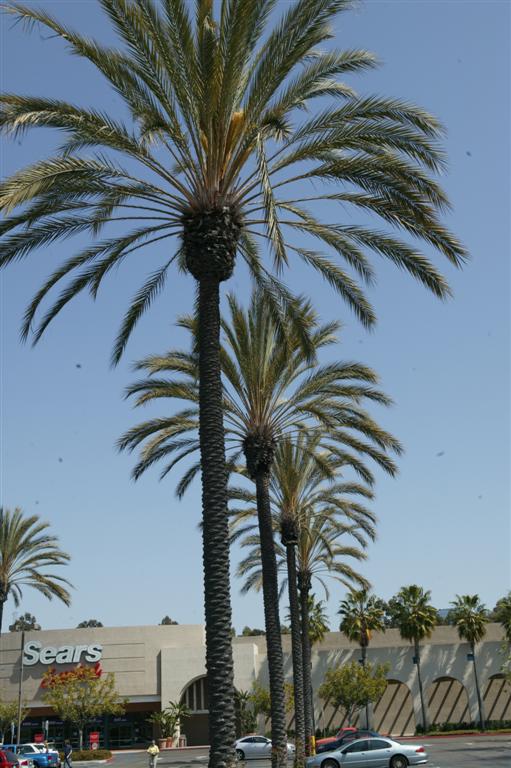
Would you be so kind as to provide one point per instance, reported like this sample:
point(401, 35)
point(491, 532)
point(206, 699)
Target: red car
point(339, 735)
point(8, 759)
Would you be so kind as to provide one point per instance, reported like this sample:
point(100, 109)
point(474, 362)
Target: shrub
point(89, 754)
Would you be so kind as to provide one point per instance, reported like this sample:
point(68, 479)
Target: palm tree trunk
point(304, 583)
point(296, 647)
point(272, 620)
point(363, 649)
point(478, 691)
point(2, 603)
point(421, 692)
point(215, 540)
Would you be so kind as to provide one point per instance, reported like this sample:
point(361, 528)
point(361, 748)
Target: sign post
point(18, 732)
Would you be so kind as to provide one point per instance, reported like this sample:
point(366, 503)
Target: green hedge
point(88, 754)
point(490, 725)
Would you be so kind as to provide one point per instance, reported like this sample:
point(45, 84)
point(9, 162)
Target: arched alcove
point(393, 713)
point(196, 698)
point(447, 701)
point(497, 698)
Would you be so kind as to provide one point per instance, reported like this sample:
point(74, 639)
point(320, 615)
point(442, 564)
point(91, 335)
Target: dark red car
point(8, 759)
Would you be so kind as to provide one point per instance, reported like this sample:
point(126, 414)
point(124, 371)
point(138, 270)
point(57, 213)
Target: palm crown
point(271, 390)
point(361, 614)
point(305, 486)
point(27, 551)
point(470, 617)
point(411, 610)
point(222, 151)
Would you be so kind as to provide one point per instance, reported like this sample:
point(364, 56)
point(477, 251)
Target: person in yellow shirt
point(153, 753)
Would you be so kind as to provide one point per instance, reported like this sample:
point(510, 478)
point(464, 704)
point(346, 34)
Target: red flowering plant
point(81, 694)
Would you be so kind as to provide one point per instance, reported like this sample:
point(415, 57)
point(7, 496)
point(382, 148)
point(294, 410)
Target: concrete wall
point(157, 664)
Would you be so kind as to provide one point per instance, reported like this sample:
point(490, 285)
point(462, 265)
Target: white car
point(253, 747)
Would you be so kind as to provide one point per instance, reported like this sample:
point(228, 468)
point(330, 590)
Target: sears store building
point(158, 664)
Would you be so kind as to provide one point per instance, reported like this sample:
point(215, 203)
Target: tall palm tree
point(416, 619)
point(313, 510)
point(318, 620)
point(271, 391)
point(470, 617)
point(362, 614)
point(27, 551)
point(219, 154)
point(502, 614)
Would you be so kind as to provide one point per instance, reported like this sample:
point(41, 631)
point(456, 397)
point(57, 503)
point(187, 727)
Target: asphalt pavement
point(450, 752)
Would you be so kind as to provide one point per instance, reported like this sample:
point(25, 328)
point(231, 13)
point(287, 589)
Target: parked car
point(328, 745)
point(42, 748)
point(340, 733)
point(9, 758)
point(40, 759)
point(371, 753)
point(251, 747)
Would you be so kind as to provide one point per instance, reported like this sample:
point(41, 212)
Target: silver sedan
point(371, 753)
point(252, 747)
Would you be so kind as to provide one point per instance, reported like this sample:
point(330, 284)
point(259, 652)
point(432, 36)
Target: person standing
point(153, 753)
point(68, 751)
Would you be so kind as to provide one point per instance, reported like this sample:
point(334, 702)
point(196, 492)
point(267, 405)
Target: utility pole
point(20, 686)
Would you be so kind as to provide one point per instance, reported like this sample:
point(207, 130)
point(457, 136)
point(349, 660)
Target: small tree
point(81, 695)
point(353, 686)
point(245, 712)
point(167, 621)
point(9, 715)
point(169, 719)
point(248, 632)
point(26, 623)
point(89, 623)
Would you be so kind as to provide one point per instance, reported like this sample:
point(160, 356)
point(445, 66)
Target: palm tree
point(470, 617)
point(362, 614)
point(416, 619)
point(502, 614)
point(27, 551)
point(271, 390)
point(318, 620)
point(307, 499)
point(218, 150)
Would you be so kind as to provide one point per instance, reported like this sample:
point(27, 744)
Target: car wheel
point(330, 763)
point(240, 754)
point(398, 761)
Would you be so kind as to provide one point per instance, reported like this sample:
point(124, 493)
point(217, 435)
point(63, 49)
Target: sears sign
point(34, 653)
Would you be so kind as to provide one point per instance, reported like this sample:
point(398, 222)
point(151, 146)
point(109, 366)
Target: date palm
point(313, 510)
point(502, 614)
point(470, 617)
point(271, 390)
point(416, 619)
point(220, 152)
point(28, 554)
point(361, 614)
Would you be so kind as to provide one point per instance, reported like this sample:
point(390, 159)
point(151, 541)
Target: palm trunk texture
point(479, 700)
point(421, 692)
point(297, 654)
point(363, 649)
point(304, 581)
point(272, 621)
point(2, 603)
point(217, 599)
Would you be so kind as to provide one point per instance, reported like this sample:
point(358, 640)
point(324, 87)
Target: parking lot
point(452, 752)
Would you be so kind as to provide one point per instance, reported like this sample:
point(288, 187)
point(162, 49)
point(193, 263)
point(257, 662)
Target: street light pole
point(20, 686)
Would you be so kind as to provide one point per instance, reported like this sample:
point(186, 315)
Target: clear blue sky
point(445, 522)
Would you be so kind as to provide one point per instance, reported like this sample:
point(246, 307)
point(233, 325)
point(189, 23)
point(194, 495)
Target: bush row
point(490, 725)
point(89, 754)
